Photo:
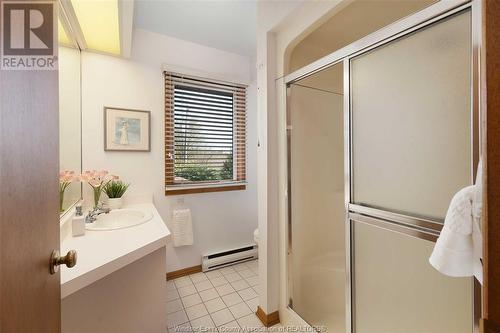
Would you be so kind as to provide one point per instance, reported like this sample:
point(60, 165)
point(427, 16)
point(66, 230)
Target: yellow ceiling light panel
point(63, 36)
point(99, 22)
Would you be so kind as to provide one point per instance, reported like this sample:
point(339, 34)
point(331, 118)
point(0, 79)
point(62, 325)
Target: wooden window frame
point(239, 136)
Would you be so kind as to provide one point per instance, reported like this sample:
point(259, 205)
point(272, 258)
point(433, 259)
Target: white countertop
point(101, 253)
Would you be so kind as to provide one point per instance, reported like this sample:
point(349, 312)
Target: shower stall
point(380, 135)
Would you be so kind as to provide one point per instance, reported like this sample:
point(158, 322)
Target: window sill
point(179, 190)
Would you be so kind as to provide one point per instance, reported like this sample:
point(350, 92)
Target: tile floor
point(219, 301)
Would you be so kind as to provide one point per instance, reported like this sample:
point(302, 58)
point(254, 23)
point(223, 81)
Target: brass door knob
point(56, 260)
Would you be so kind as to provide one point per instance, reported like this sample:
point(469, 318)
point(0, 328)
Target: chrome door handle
point(56, 260)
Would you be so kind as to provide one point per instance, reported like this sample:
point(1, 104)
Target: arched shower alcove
point(347, 116)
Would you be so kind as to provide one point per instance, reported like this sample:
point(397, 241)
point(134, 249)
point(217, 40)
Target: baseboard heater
point(229, 257)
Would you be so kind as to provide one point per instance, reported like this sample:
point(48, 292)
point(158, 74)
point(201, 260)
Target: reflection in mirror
point(70, 153)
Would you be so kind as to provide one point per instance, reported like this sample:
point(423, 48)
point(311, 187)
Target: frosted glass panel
point(317, 281)
point(411, 120)
point(398, 291)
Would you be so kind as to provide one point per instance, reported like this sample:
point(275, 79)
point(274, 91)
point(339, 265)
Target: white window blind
point(205, 132)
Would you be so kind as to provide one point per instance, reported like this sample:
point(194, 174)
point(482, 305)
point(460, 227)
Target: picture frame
point(127, 129)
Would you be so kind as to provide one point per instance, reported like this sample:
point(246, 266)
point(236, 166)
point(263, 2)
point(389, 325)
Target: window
point(205, 135)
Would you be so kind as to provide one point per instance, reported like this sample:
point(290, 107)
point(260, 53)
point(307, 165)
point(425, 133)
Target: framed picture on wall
point(127, 129)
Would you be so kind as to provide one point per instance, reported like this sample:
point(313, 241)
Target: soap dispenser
point(78, 223)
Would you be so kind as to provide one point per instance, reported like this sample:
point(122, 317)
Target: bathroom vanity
point(118, 284)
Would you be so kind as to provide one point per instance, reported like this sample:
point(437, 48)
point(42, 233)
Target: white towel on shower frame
point(458, 250)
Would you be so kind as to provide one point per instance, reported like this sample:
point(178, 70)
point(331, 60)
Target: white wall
point(269, 15)
point(317, 197)
point(281, 24)
point(221, 220)
point(361, 18)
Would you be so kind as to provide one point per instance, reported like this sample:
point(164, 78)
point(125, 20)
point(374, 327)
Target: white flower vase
point(115, 203)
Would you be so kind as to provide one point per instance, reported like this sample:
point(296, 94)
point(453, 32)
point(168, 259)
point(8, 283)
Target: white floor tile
point(218, 281)
point(208, 294)
point(176, 318)
point(227, 270)
point(203, 324)
point(238, 285)
point(254, 267)
point(215, 305)
point(278, 328)
point(253, 264)
point(172, 294)
point(232, 299)
point(231, 327)
point(171, 285)
point(204, 285)
point(253, 280)
point(222, 317)
point(198, 277)
point(246, 273)
point(233, 277)
point(253, 304)
point(240, 310)
point(200, 302)
point(183, 282)
point(213, 274)
point(186, 291)
point(247, 294)
point(191, 300)
point(250, 323)
point(240, 267)
point(174, 306)
point(224, 289)
point(196, 311)
point(182, 328)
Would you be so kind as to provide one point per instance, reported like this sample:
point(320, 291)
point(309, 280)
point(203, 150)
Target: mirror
point(70, 138)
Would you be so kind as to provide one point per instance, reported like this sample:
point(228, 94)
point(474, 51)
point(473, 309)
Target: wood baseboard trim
point(268, 319)
point(183, 272)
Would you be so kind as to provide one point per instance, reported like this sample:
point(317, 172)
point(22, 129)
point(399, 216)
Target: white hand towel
point(182, 227)
point(457, 251)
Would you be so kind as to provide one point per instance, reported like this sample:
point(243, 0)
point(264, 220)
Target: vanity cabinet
point(130, 300)
point(119, 281)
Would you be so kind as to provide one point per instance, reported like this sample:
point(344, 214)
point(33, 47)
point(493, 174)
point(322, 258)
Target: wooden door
point(491, 137)
point(29, 218)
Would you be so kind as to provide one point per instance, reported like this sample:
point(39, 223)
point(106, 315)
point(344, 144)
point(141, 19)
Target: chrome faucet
point(94, 213)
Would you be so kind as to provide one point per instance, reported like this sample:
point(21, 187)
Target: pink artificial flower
point(67, 176)
point(94, 182)
point(97, 178)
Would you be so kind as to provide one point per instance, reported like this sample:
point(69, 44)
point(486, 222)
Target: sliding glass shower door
point(411, 152)
point(411, 120)
point(317, 211)
point(378, 144)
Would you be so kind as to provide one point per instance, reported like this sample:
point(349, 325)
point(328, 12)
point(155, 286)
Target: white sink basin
point(120, 218)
